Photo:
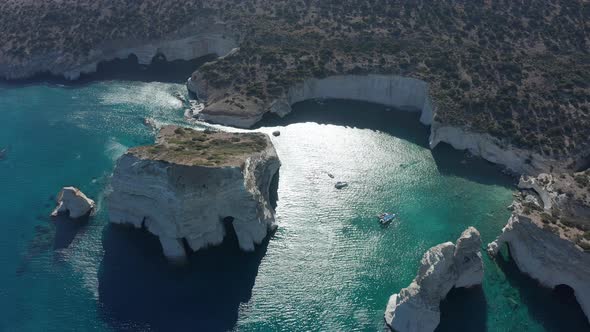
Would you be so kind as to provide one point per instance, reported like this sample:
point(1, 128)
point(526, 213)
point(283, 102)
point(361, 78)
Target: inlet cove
point(287, 165)
point(327, 262)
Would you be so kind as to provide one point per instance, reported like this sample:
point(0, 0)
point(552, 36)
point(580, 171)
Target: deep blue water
point(329, 266)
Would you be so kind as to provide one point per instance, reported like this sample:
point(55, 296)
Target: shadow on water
point(464, 309)
point(273, 191)
point(159, 70)
point(138, 289)
point(557, 309)
point(66, 230)
point(402, 124)
point(53, 234)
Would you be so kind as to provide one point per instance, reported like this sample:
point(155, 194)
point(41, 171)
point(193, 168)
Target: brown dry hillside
point(519, 70)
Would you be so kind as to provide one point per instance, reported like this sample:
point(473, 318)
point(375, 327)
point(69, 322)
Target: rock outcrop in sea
point(551, 241)
point(72, 201)
point(447, 265)
point(190, 184)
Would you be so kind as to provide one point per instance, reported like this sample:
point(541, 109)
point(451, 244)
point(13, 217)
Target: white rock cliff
point(179, 201)
point(545, 242)
point(546, 257)
point(390, 90)
point(416, 307)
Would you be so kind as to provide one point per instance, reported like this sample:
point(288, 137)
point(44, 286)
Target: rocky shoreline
point(548, 234)
point(396, 91)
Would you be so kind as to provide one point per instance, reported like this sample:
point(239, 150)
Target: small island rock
point(183, 188)
point(71, 200)
point(276, 133)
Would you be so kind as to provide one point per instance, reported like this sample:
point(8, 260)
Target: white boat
point(386, 218)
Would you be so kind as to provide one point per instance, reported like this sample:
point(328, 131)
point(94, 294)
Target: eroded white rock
point(72, 201)
point(546, 257)
point(416, 307)
point(179, 200)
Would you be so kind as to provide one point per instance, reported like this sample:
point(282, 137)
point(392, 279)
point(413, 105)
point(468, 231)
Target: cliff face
point(547, 257)
point(390, 90)
point(396, 91)
point(549, 236)
point(519, 161)
point(416, 307)
point(185, 194)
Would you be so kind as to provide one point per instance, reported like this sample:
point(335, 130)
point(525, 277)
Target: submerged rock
point(183, 187)
point(416, 307)
point(3, 153)
point(72, 201)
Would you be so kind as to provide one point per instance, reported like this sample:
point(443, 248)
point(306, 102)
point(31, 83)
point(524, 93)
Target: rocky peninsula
point(190, 184)
point(447, 265)
point(548, 233)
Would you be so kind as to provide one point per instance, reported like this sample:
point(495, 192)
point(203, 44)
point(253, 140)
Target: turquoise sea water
point(329, 267)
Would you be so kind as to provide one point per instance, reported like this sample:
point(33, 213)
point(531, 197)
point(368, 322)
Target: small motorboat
point(341, 184)
point(386, 218)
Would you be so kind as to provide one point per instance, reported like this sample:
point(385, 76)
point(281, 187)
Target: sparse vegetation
point(201, 148)
point(517, 70)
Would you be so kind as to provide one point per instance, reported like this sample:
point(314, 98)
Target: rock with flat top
point(183, 187)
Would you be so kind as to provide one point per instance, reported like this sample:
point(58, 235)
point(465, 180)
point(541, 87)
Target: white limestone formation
point(390, 90)
point(178, 199)
point(549, 249)
point(546, 257)
point(73, 202)
point(491, 149)
point(416, 307)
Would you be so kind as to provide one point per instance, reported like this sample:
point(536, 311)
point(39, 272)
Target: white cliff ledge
point(396, 91)
point(551, 243)
point(416, 307)
point(182, 188)
point(390, 90)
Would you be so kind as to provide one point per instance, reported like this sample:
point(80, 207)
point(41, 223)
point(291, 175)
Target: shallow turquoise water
point(330, 265)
